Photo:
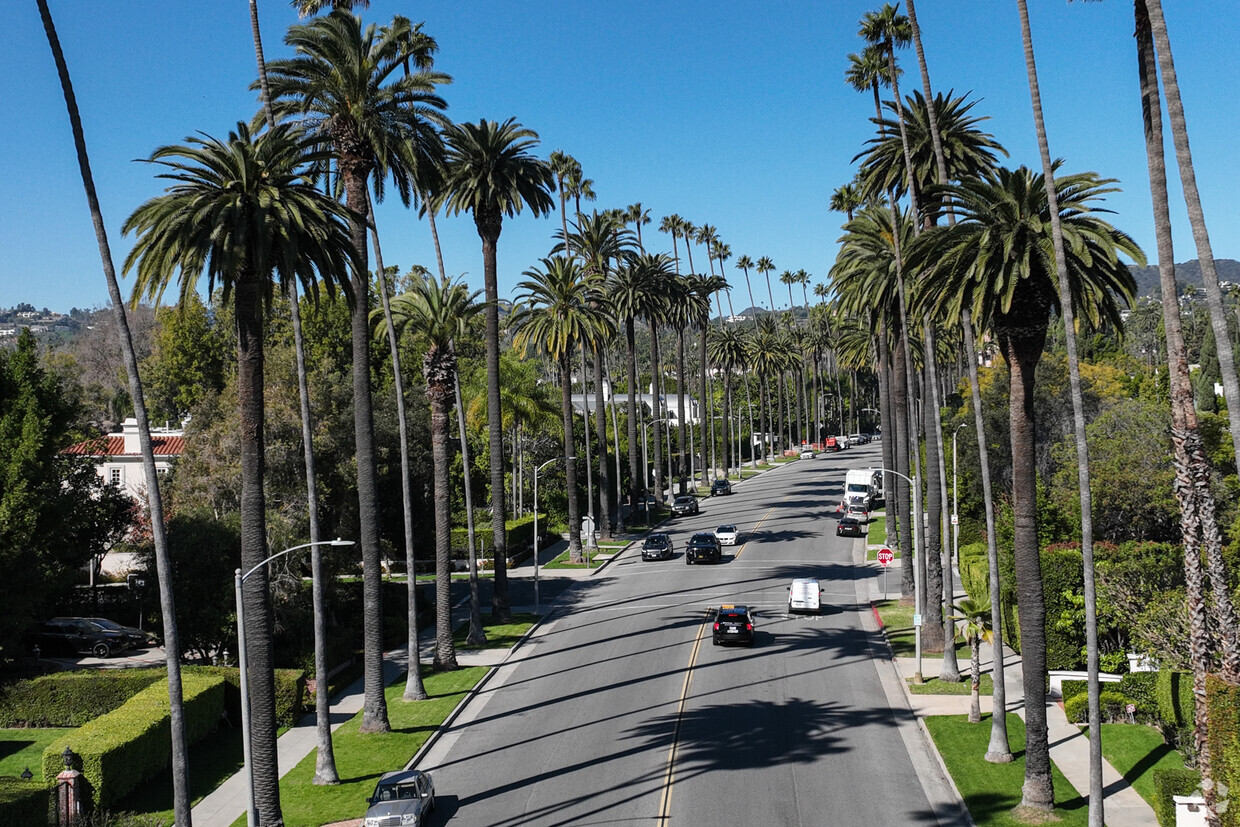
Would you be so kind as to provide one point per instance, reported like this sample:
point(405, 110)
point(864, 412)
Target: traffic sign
point(886, 556)
point(955, 519)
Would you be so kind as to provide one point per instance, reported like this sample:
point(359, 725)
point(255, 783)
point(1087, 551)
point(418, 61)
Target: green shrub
point(290, 692)
point(118, 751)
point(1173, 695)
point(1169, 782)
point(1113, 705)
point(1062, 571)
point(520, 536)
point(1073, 688)
point(1141, 689)
point(974, 570)
point(23, 803)
point(71, 698)
point(1223, 703)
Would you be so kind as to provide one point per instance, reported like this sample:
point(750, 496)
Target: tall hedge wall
point(1223, 703)
point(290, 692)
point(520, 536)
point(71, 698)
point(118, 751)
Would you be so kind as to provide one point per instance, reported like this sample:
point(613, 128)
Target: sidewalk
point(1069, 745)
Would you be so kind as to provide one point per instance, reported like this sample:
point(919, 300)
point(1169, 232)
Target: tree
point(975, 613)
point(555, 311)
point(998, 263)
point(491, 173)
point(438, 312)
point(187, 360)
point(256, 192)
point(344, 83)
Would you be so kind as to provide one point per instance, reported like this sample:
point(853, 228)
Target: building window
point(115, 476)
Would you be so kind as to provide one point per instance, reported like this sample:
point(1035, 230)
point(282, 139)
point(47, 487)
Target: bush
point(975, 570)
point(520, 537)
point(1169, 782)
point(118, 751)
point(1114, 707)
point(1071, 689)
point(67, 699)
point(290, 691)
point(1062, 571)
point(1223, 703)
point(23, 803)
point(1141, 689)
point(1173, 695)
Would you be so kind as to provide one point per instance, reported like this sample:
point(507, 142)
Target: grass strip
point(562, 562)
point(1136, 750)
point(877, 533)
point(22, 748)
point(991, 791)
point(898, 624)
point(934, 686)
point(499, 635)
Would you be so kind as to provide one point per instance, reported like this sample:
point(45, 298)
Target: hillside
point(1185, 274)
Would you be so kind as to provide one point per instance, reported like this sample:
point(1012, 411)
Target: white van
point(804, 595)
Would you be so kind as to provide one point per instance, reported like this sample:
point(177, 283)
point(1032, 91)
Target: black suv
point(76, 635)
point(703, 547)
point(686, 504)
point(719, 487)
point(136, 638)
point(848, 527)
point(657, 547)
point(733, 624)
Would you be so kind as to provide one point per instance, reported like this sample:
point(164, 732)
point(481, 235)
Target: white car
point(807, 454)
point(726, 535)
point(403, 797)
point(844, 441)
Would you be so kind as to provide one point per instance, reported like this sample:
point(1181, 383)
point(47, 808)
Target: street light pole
point(251, 813)
point(646, 468)
point(914, 534)
point(537, 602)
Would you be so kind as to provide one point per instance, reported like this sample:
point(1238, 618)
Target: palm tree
point(704, 287)
point(975, 613)
point(438, 311)
point(154, 499)
point(726, 350)
point(491, 173)
point(671, 224)
point(257, 194)
point(555, 310)
point(639, 217)
point(346, 84)
point(629, 291)
point(846, 199)
point(764, 267)
point(681, 314)
point(998, 262)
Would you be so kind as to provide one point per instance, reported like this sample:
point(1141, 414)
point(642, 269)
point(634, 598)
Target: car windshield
point(106, 624)
point(684, 500)
point(657, 541)
point(848, 521)
point(726, 529)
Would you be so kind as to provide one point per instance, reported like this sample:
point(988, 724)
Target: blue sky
point(730, 114)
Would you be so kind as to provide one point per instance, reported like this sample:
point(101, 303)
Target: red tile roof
point(113, 445)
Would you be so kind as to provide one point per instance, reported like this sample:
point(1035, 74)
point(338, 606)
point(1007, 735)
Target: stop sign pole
point(885, 556)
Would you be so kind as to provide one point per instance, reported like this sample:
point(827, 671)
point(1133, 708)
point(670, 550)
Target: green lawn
point(562, 562)
point(212, 761)
point(1136, 750)
point(877, 532)
point(898, 622)
point(499, 635)
point(990, 791)
point(22, 748)
point(361, 759)
point(934, 686)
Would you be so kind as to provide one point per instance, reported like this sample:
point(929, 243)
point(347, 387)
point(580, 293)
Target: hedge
point(1223, 703)
point(1142, 690)
point(974, 566)
point(1062, 571)
point(70, 699)
point(23, 803)
point(120, 750)
point(1113, 704)
point(290, 692)
point(1169, 782)
point(520, 536)
point(1173, 693)
point(1071, 689)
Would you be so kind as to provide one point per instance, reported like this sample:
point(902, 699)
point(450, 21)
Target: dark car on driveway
point(703, 547)
point(685, 504)
point(848, 527)
point(719, 487)
point(137, 638)
point(657, 547)
point(76, 635)
point(733, 624)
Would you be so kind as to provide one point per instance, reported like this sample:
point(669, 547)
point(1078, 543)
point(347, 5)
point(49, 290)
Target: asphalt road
point(619, 710)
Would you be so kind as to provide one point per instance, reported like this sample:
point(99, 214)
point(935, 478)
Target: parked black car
point(137, 638)
point(657, 547)
point(848, 527)
point(76, 635)
point(686, 504)
point(720, 487)
point(703, 547)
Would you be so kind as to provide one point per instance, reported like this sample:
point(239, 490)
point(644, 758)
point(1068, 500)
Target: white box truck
point(859, 487)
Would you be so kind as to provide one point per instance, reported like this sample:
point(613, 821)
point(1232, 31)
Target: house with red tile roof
point(118, 457)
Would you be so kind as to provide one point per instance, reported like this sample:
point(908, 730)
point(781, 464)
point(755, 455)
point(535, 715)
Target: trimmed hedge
point(1071, 689)
point(118, 751)
point(520, 537)
point(1062, 571)
point(1169, 782)
point(1173, 693)
point(1113, 705)
point(1223, 703)
point(1142, 690)
point(23, 803)
point(72, 698)
point(975, 570)
point(290, 692)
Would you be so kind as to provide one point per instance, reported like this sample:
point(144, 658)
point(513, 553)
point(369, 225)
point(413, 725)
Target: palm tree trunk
point(934, 631)
point(703, 407)
point(637, 478)
point(501, 611)
point(586, 437)
point(682, 475)
point(1022, 355)
point(477, 636)
point(570, 458)
point(886, 422)
point(656, 455)
point(414, 690)
point(1096, 791)
point(606, 522)
point(900, 421)
point(998, 751)
point(439, 395)
point(159, 537)
point(937, 476)
point(1224, 610)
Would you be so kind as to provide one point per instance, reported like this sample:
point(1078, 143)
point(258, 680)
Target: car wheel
point(688, 562)
point(102, 650)
point(714, 641)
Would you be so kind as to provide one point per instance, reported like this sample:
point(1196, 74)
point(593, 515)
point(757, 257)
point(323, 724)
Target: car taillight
point(748, 627)
point(716, 625)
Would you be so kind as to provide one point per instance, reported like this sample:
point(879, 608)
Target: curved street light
point(251, 814)
point(915, 533)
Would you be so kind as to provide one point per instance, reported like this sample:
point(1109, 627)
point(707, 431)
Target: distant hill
point(1187, 273)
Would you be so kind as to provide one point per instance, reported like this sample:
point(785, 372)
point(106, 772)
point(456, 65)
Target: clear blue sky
point(731, 114)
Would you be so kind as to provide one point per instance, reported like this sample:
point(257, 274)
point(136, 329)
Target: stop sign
point(886, 556)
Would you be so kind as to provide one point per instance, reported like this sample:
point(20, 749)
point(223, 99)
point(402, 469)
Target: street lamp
point(914, 535)
point(537, 602)
point(251, 814)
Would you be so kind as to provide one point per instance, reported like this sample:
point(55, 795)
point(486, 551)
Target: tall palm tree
point(438, 311)
point(846, 199)
point(999, 262)
point(555, 310)
point(681, 314)
point(764, 267)
point(671, 225)
point(255, 193)
point(726, 350)
point(491, 172)
point(639, 217)
point(346, 84)
point(704, 287)
point(154, 499)
point(688, 231)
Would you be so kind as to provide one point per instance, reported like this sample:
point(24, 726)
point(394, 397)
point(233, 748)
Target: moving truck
point(859, 487)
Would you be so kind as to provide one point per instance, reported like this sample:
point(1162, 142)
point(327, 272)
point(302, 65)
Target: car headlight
point(409, 818)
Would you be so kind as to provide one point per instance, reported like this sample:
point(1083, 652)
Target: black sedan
point(685, 504)
point(137, 638)
point(75, 635)
point(733, 624)
point(657, 547)
point(849, 527)
point(703, 547)
point(720, 487)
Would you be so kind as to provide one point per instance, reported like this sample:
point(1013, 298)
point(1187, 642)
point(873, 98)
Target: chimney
point(130, 434)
